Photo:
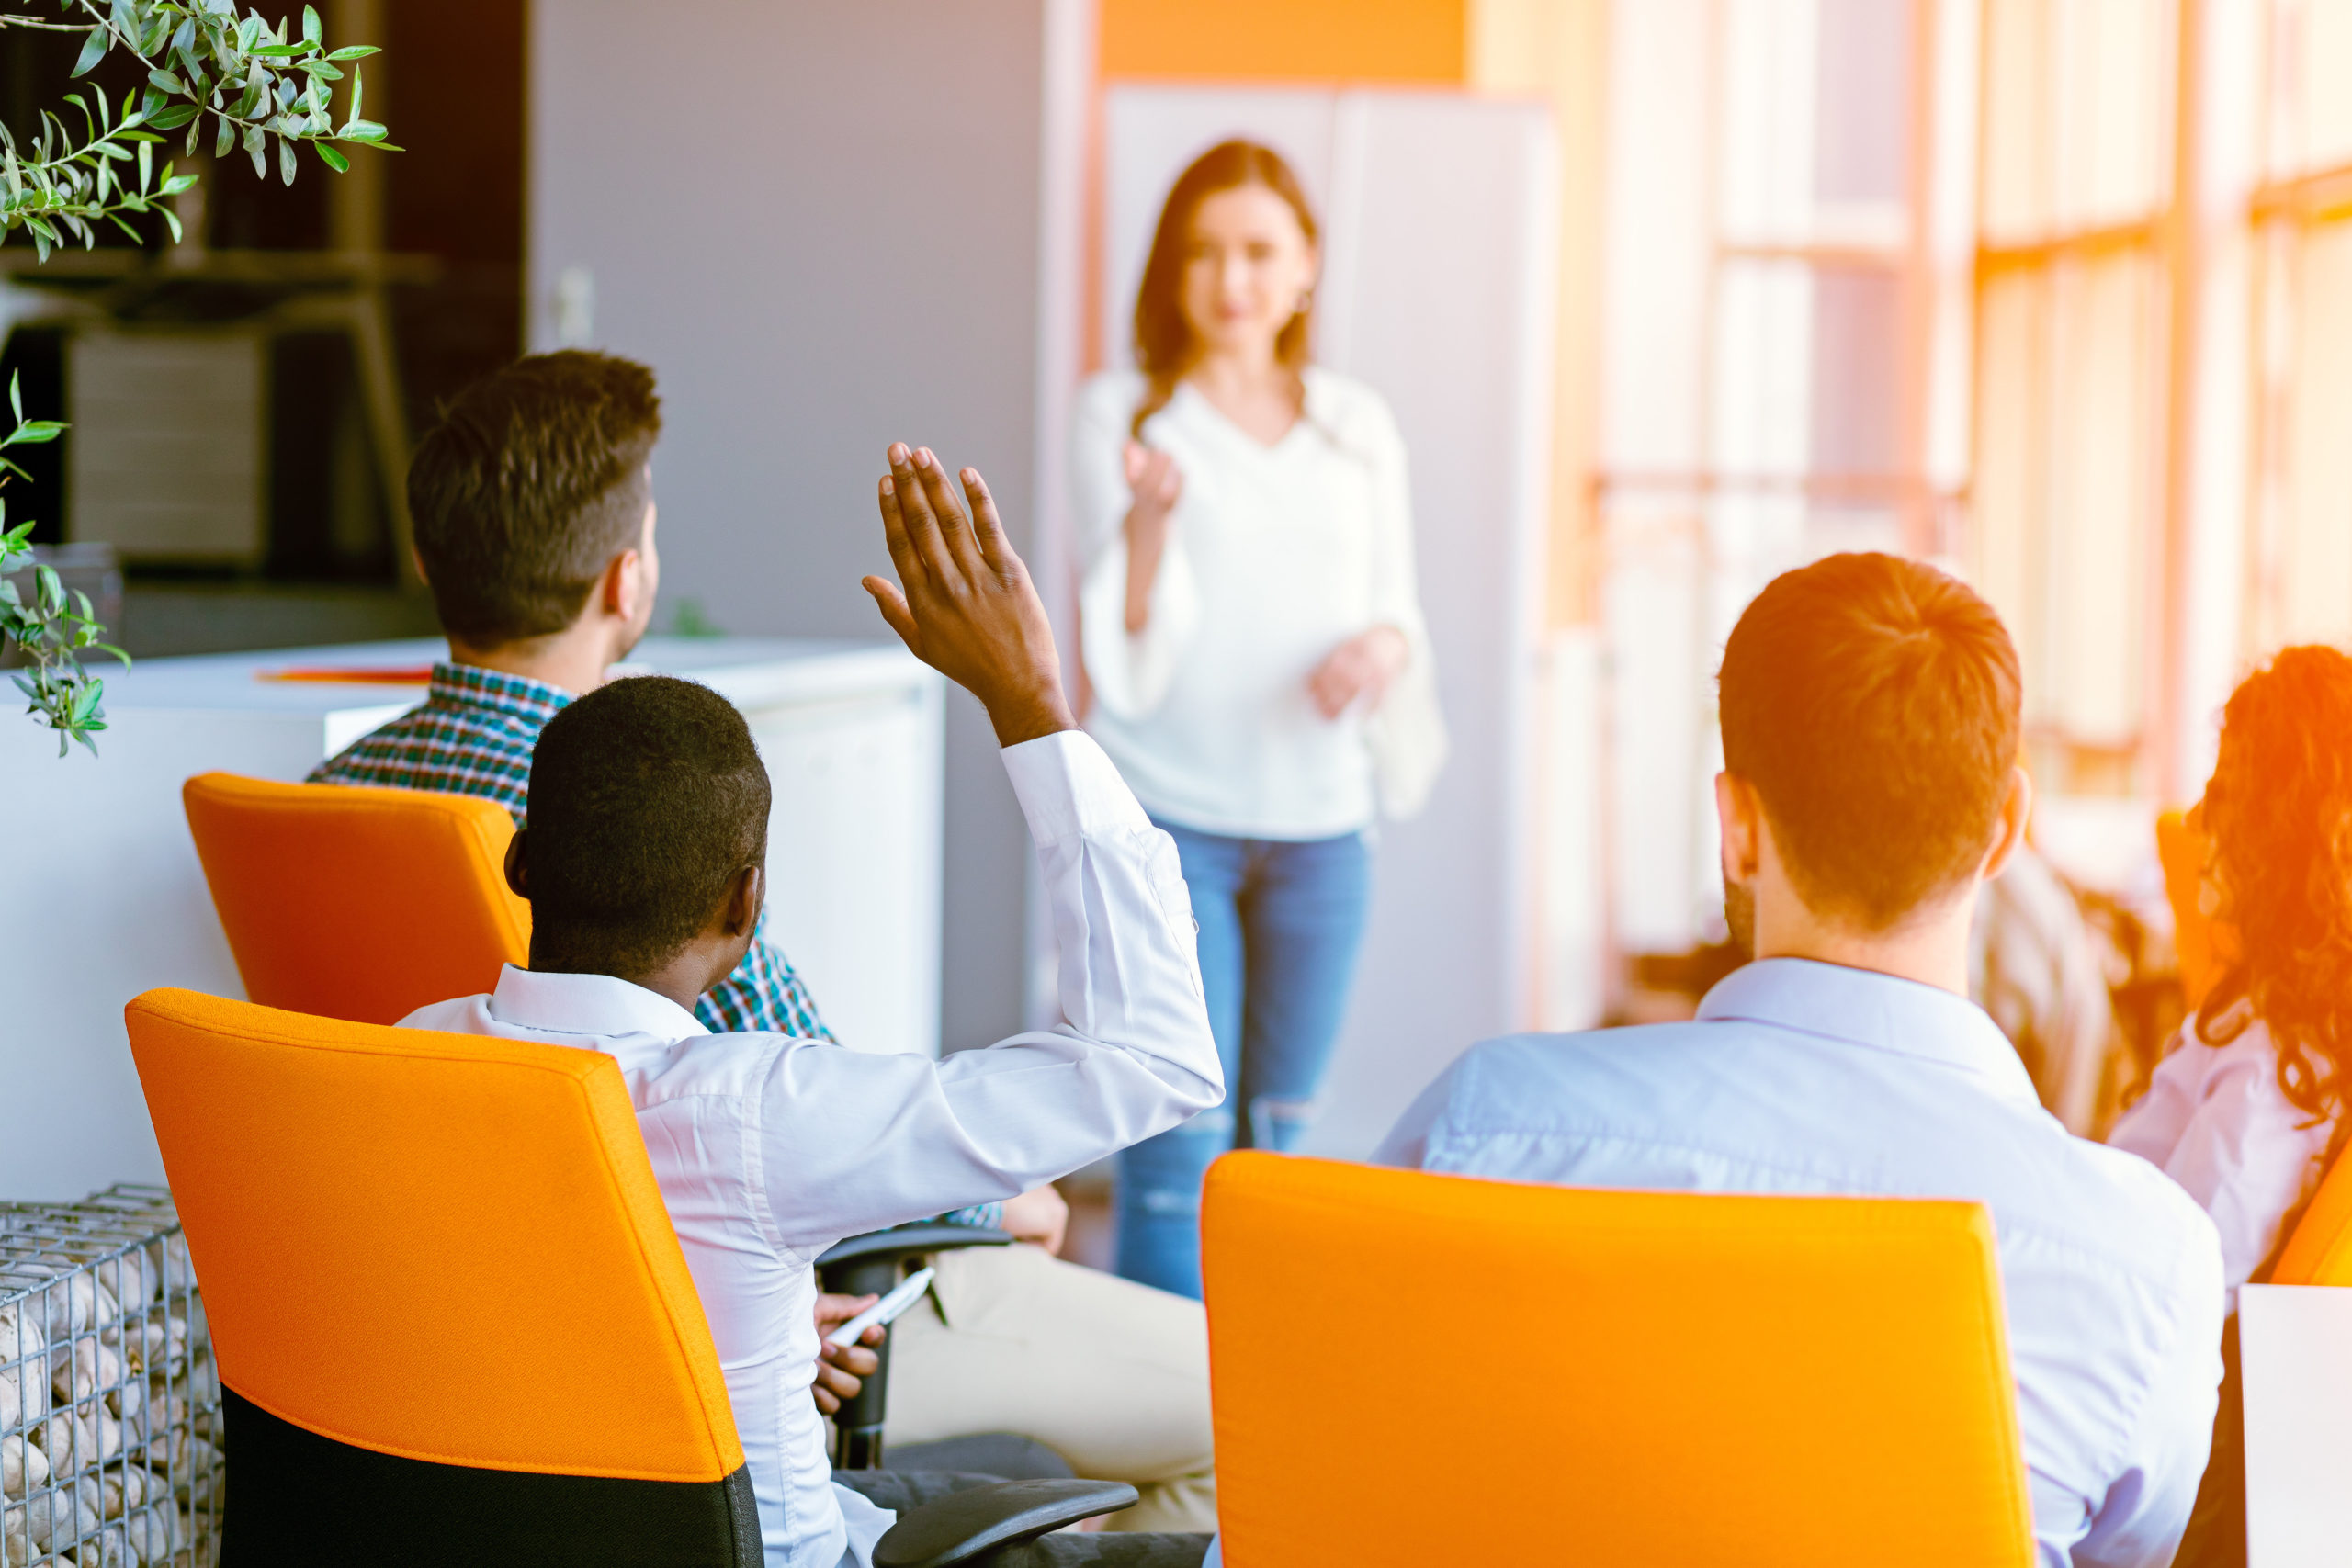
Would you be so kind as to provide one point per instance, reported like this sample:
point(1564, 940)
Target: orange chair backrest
point(443, 1246)
point(1408, 1367)
point(364, 904)
point(2319, 1250)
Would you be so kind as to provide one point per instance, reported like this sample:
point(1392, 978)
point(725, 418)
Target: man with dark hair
point(643, 857)
point(534, 511)
point(533, 501)
point(1869, 712)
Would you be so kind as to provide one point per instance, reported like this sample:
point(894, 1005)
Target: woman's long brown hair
point(2279, 812)
point(1164, 345)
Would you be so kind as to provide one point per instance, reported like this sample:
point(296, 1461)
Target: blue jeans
point(1281, 924)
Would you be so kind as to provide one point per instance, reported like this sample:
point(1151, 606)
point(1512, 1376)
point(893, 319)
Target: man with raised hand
point(643, 855)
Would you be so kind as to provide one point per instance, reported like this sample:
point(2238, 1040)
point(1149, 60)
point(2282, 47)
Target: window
point(2071, 385)
point(2298, 566)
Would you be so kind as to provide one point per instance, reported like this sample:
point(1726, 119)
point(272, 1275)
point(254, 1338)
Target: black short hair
point(530, 485)
point(1872, 702)
point(647, 798)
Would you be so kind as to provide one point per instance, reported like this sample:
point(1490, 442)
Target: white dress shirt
point(1804, 1077)
point(1276, 555)
point(2216, 1121)
point(769, 1150)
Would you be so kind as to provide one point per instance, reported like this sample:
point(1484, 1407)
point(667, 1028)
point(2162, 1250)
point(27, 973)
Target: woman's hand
point(1362, 666)
point(842, 1370)
point(1156, 484)
point(1040, 1217)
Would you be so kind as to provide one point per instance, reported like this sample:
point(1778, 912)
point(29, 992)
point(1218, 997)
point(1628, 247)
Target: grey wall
point(818, 222)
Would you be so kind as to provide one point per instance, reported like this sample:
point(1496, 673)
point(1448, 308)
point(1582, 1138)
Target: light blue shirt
point(1804, 1077)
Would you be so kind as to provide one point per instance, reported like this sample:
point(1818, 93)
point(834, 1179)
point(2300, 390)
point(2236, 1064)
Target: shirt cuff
point(1067, 787)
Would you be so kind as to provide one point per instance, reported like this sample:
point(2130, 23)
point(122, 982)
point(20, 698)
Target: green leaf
point(178, 183)
point(312, 31)
point(282, 51)
point(356, 52)
point(226, 139)
point(16, 396)
point(362, 130)
point(334, 159)
point(94, 49)
point(169, 82)
point(286, 160)
point(253, 151)
point(358, 91)
point(172, 219)
point(171, 116)
point(184, 40)
point(36, 431)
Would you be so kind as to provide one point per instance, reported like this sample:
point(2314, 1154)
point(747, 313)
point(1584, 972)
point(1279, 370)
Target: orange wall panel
point(1352, 41)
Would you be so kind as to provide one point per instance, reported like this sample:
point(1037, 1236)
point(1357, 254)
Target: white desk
point(2297, 1345)
point(105, 897)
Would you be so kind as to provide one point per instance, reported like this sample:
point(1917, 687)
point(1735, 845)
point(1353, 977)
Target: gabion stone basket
point(109, 1404)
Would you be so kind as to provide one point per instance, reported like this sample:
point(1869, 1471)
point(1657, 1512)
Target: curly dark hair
point(2278, 812)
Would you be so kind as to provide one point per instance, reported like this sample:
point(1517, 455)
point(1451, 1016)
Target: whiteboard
point(1439, 224)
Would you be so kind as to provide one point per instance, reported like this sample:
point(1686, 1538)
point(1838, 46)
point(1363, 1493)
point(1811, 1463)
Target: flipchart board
point(1439, 227)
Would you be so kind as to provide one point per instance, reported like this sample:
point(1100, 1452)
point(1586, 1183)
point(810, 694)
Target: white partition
point(1439, 225)
point(112, 900)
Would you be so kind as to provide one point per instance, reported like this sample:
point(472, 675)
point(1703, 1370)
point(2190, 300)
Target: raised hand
point(964, 603)
point(1157, 483)
point(1153, 479)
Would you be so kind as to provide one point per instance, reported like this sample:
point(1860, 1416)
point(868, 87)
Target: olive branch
point(201, 59)
point(55, 627)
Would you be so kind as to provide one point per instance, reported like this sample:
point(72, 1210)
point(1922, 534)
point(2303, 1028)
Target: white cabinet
point(107, 897)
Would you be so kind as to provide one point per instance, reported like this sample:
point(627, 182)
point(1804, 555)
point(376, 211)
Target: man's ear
point(745, 899)
point(518, 871)
point(416, 560)
point(617, 590)
point(2016, 813)
point(1740, 817)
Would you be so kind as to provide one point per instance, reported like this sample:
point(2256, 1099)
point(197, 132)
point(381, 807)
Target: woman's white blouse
point(2216, 1121)
point(1276, 556)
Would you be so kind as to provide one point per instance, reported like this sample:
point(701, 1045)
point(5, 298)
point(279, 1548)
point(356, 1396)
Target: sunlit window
point(2072, 300)
point(2300, 565)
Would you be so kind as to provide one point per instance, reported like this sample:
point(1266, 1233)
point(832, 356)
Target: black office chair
point(968, 1527)
point(871, 1265)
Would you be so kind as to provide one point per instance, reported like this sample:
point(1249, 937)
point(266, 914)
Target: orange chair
point(2319, 1250)
point(1631, 1377)
point(453, 1323)
point(362, 904)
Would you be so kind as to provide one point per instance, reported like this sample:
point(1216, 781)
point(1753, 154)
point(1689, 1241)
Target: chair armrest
point(965, 1526)
point(911, 1241)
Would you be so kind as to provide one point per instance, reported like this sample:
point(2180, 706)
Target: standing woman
point(1254, 642)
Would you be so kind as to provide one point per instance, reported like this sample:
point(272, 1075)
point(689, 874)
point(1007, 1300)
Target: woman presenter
point(1254, 642)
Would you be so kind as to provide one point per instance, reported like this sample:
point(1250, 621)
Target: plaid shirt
point(474, 736)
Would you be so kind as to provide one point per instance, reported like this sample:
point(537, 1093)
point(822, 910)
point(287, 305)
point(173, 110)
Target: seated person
point(533, 515)
point(1870, 713)
point(2247, 1104)
point(643, 858)
point(2246, 1110)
